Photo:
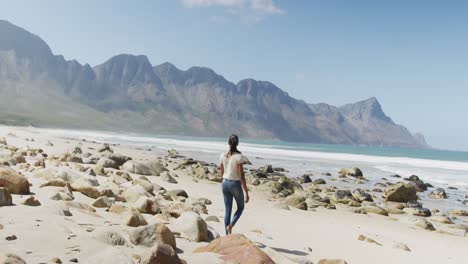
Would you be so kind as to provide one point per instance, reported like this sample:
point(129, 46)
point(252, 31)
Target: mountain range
point(129, 94)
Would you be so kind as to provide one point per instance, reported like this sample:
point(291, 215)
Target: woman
point(233, 181)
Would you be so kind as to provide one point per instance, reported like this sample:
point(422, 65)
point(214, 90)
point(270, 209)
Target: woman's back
point(231, 166)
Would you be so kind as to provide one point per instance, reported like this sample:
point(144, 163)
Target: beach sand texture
point(123, 204)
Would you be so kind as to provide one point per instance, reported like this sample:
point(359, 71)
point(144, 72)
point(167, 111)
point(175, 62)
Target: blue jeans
point(232, 189)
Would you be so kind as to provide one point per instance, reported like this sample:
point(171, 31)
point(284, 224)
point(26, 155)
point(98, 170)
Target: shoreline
point(282, 233)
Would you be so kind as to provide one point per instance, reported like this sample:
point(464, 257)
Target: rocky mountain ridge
point(128, 93)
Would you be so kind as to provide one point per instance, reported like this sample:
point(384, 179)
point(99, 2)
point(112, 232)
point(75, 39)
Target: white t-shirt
point(231, 166)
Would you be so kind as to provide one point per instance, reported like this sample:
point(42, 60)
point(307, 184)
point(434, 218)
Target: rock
point(105, 163)
point(441, 219)
point(117, 158)
point(5, 197)
point(178, 192)
point(31, 201)
point(150, 235)
point(54, 183)
point(61, 196)
point(354, 172)
point(161, 254)
point(134, 219)
point(146, 206)
point(192, 227)
point(375, 210)
point(419, 185)
point(305, 179)
point(295, 200)
point(236, 249)
point(105, 147)
point(167, 177)
point(102, 202)
point(11, 259)
point(332, 261)
point(14, 182)
point(459, 212)
point(368, 239)
point(342, 196)
point(212, 218)
point(11, 238)
point(319, 181)
point(81, 206)
point(147, 185)
point(3, 141)
point(422, 223)
point(74, 260)
point(413, 204)
point(418, 211)
point(62, 210)
point(90, 191)
point(56, 260)
point(401, 246)
point(266, 169)
point(112, 238)
point(361, 195)
point(400, 192)
point(413, 178)
point(438, 193)
point(151, 168)
point(137, 168)
point(132, 194)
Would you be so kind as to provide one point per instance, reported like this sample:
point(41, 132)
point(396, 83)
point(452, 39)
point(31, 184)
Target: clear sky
point(411, 55)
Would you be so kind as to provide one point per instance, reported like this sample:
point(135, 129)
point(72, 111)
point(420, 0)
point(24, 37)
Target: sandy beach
point(95, 199)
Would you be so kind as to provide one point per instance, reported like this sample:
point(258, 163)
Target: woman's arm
point(244, 182)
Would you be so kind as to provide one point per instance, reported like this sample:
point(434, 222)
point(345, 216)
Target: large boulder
point(150, 168)
point(161, 254)
point(5, 197)
point(13, 181)
point(400, 192)
point(191, 226)
point(150, 235)
point(236, 249)
point(132, 166)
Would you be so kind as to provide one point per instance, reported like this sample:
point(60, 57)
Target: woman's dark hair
point(233, 143)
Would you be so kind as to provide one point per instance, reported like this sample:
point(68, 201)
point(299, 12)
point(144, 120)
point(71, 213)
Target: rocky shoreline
point(130, 204)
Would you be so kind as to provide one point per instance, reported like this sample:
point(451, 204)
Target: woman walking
point(233, 182)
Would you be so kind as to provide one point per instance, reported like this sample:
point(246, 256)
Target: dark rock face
point(127, 92)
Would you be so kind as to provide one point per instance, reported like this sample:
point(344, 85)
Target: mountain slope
point(128, 93)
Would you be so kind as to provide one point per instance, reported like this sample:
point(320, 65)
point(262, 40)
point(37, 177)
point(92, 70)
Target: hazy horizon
point(410, 56)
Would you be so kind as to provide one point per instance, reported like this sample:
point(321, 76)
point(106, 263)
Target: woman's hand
point(247, 198)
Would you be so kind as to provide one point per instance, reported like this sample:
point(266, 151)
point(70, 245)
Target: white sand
point(43, 234)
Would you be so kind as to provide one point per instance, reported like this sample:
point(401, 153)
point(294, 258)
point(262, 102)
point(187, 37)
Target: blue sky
point(411, 55)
